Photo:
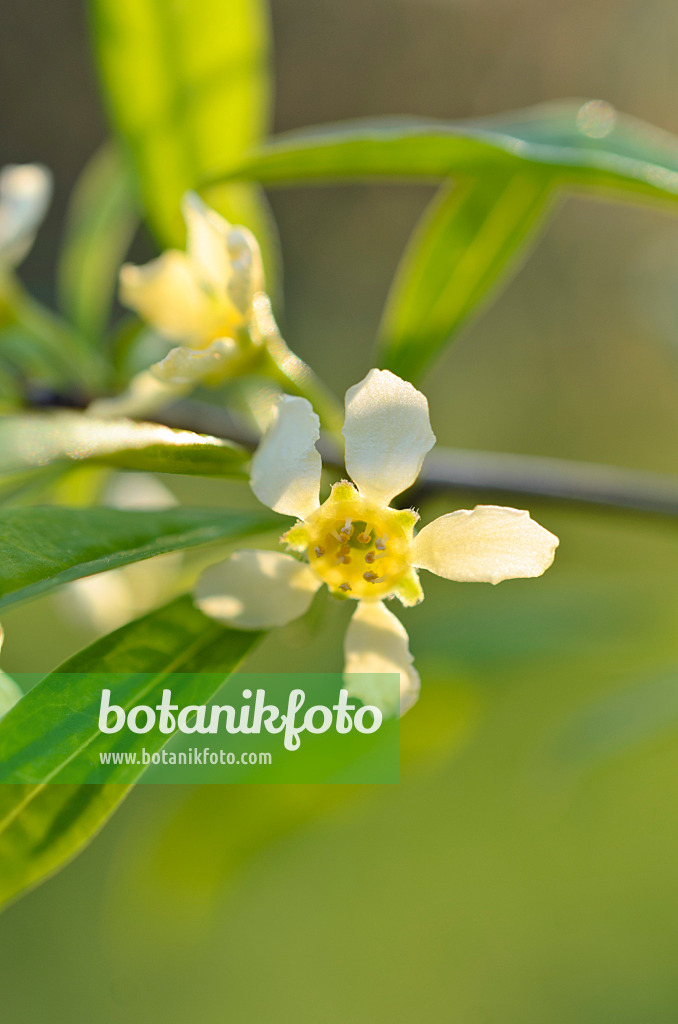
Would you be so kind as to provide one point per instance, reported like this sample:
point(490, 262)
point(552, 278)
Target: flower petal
point(167, 294)
point(486, 545)
point(387, 433)
point(9, 691)
point(184, 365)
point(256, 589)
point(286, 466)
point(377, 642)
point(144, 395)
point(226, 257)
point(25, 192)
point(206, 234)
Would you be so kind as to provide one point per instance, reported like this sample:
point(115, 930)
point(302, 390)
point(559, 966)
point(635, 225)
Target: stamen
point(345, 587)
point(347, 528)
point(370, 577)
point(370, 557)
point(380, 542)
point(365, 537)
point(319, 552)
point(343, 558)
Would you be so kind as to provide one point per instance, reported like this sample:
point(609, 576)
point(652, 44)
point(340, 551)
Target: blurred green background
point(525, 868)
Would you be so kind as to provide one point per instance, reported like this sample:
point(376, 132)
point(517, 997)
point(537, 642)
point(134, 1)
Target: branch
point(493, 473)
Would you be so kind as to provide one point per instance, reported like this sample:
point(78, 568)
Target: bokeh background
point(525, 868)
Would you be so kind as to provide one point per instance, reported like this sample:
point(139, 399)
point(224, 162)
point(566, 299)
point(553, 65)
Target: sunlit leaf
point(41, 439)
point(41, 547)
point(101, 220)
point(631, 160)
point(43, 826)
point(187, 86)
point(467, 241)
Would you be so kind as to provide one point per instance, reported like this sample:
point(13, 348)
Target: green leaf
point(41, 547)
point(101, 221)
point(41, 439)
point(43, 826)
point(630, 160)
point(465, 245)
point(187, 86)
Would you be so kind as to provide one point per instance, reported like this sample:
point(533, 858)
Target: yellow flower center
point(358, 549)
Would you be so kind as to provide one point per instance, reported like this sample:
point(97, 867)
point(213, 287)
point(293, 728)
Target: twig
point(492, 473)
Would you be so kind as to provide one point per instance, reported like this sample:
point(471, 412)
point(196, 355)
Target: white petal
point(487, 545)
point(167, 294)
point(256, 589)
point(25, 192)
point(206, 232)
point(286, 466)
point(226, 257)
point(184, 365)
point(387, 433)
point(376, 643)
point(9, 691)
point(145, 394)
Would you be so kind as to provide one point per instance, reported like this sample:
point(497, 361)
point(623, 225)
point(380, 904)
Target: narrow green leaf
point(41, 547)
point(100, 223)
point(42, 826)
point(187, 85)
point(38, 440)
point(466, 243)
point(428, 150)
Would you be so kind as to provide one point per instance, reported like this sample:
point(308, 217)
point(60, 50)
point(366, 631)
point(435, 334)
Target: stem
point(581, 483)
point(495, 473)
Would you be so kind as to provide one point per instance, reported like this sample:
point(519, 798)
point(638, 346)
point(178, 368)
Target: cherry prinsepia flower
point(203, 299)
point(354, 542)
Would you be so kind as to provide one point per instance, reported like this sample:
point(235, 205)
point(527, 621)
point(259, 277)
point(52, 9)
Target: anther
point(345, 587)
point(365, 537)
point(319, 552)
point(347, 528)
point(380, 542)
point(370, 557)
point(345, 559)
point(370, 577)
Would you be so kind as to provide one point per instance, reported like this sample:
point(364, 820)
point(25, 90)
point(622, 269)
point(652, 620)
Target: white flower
point(355, 542)
point(25, 192)
point(9, 691)
point(203, 298)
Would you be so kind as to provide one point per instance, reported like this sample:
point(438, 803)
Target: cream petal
point(227, 258)
point(256, 589)
point(387, 433)
point(206, 242)
point(286, 466)
point(377, 642)
point(247, 269)
point(167, 294)
point(25, 192)
point(145, 394)
point(9, 691)
point(486, 545)
point(184, 365)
